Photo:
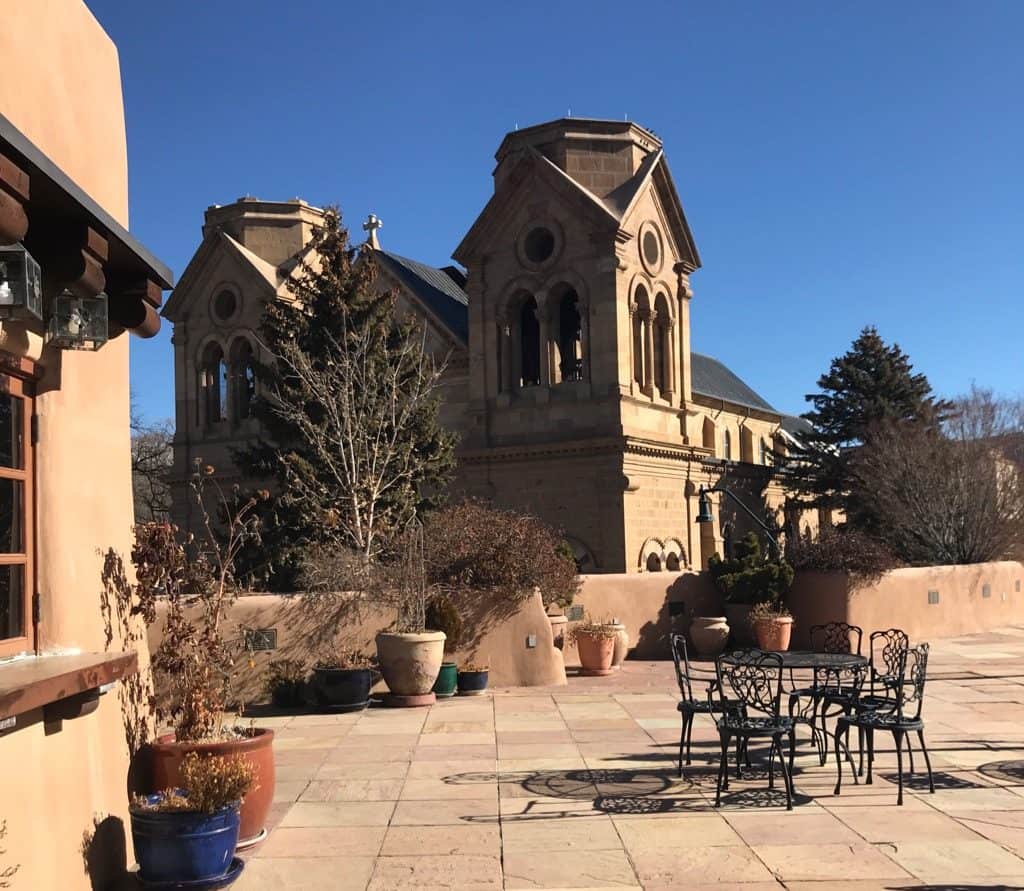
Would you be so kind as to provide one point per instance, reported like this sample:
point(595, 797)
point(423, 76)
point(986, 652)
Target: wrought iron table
point(793, 659)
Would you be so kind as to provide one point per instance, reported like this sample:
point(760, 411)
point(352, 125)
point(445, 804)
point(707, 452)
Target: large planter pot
point(341, 689)
point(410, 663)
point(621, 644)
point(178, 846)
point(472, 683)
point(596, 653)
point(256, 748)
point(447, 680)
point(774, 634)
point(738, 615)
point(558, 624)
point(709, 635)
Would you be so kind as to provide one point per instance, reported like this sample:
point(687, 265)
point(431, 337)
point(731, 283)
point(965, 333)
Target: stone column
point(684, 294)
point(584, 311)
point(670, 354)
point(633, 310)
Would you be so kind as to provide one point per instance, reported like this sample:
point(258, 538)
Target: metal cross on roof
point(371, 226)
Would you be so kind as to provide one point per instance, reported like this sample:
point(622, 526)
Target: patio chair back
point(686, 673)
point(836, 637)
point(888, 659)
point(753, 678)
point(911, 692)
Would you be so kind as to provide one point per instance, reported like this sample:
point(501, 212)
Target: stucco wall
point(65, 95)
point(311, 628)
point(900, 600)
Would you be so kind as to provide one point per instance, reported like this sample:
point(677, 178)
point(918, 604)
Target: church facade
point(570, 379)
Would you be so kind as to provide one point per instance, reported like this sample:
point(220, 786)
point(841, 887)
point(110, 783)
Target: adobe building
point(571, 378)
point(65, 466)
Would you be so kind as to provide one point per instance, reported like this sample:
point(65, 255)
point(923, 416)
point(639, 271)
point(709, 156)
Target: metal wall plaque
point(574, 613)
point(260, 639)
point(986, 590)
point(933, 598)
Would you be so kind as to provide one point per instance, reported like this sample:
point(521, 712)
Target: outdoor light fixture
point(79, 323)
point(21, 284)
point(704, 514)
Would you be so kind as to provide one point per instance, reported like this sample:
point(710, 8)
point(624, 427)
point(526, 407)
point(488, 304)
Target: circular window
point(539, 244)
point(224, 305)
point(652, 250)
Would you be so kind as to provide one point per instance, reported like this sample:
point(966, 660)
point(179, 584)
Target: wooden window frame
point(17, 379)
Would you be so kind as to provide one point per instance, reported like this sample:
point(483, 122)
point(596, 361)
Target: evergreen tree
point(338, 320)
point(871, 386)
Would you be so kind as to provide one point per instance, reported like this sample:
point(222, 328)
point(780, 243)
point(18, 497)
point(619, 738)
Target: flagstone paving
point(576, 787)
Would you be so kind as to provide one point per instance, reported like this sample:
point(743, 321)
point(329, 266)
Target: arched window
point(764, 452)
point(243, 373)
point(707, 434)
point(529, 344)
point(570, 337)
point(662, 351)
point(213, 385)
point(641, 318)
point(654, 562)
point(727, 445)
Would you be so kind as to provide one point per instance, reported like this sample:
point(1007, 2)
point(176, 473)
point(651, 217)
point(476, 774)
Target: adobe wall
point(64, 94)
point(900, 600)
point(307, 625)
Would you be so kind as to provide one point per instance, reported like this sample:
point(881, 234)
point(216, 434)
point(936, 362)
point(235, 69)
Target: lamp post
point(704, 514)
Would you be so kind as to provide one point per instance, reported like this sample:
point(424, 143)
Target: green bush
point(749, 576)
point(443, 616)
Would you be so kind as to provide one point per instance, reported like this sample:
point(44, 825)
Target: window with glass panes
point(16, 578)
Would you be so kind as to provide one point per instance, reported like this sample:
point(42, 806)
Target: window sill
point(40, 681)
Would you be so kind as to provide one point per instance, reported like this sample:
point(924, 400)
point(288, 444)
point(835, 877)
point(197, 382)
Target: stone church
point(571, 379)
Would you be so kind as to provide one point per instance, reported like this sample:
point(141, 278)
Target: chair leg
point(689, 739)
point(927, 760)
point(723, 770)
point(860, 751)
point(792, 749)
point(682, 741)
point(897, 736)
point(787, 774)
point(771, 763)
point(839, 761)
point(910, 754)
point(871, 755)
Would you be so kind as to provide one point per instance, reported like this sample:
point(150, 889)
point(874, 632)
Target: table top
point(811, 659)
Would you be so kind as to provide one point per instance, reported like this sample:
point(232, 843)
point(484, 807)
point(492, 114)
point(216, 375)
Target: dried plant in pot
point(342, 681)
point(595, 645)
point(197, 659)
point(284, 682)
point(472, 679)
point(186, 836)
point(442, 615)
point(772, 624)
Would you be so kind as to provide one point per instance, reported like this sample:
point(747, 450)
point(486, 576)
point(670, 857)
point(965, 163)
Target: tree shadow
point(105, 856)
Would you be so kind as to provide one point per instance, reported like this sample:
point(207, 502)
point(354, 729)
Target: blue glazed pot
point(447, 678)
point(183, 846)
point(472, 683)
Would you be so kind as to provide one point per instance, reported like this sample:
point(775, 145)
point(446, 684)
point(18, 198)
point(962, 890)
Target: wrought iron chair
point(806, 705)
point(690, 705)
point(901, 716)
point(755, 679)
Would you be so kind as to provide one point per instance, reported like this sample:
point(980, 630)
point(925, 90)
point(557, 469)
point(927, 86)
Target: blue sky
point(839, 164)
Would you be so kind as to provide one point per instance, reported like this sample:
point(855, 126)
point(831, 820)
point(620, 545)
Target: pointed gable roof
point(711, 379)
point(435, 288)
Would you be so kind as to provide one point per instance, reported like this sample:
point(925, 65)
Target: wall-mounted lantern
point(78, 323)
point(21, 284)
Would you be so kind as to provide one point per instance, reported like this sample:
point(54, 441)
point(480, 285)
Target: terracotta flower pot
point(167, 756)
point(621, 644)
point(709, 635)
point(596, 653)
point(410, 663)
point(774, 634)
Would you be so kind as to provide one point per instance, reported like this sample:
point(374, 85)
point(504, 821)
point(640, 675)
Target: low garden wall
point(303, 627)
point(927, 602)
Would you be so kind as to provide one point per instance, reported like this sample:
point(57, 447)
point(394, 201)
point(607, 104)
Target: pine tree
point(871, 386)
point(337, 315)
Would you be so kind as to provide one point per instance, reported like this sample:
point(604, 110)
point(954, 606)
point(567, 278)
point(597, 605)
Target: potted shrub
point(410, 656)
point(195, 663)
point(342, 683)
point(285, 683)
point(186, 837)
point(747, 578)
point(595, 644)
point(773, 625)
point(443, 616)
point(472, 679)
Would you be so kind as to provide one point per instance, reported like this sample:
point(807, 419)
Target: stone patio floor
point(576, 787)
